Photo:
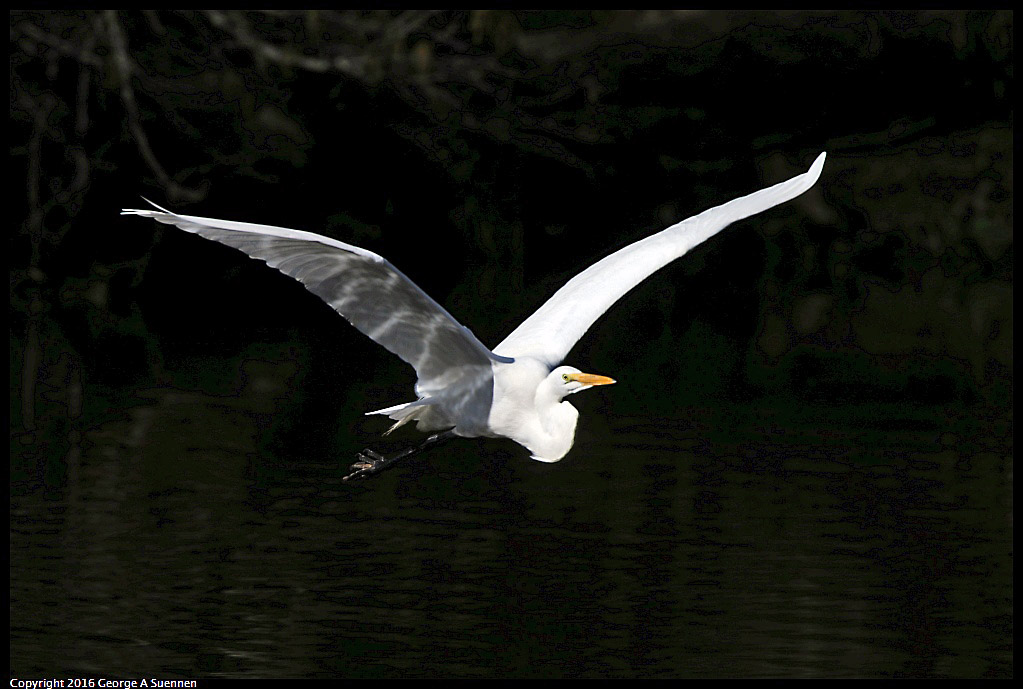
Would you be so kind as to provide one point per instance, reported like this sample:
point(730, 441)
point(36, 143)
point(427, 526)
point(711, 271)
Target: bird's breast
point(546, 433)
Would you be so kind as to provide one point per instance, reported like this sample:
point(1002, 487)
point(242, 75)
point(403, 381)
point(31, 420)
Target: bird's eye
point(564, 377)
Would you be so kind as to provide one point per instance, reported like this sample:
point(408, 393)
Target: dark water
point(745, 543)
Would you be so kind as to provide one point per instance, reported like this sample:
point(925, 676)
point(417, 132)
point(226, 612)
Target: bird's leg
point(371, 462)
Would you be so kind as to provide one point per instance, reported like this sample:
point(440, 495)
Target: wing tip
point(157, 206)
point(147, 213)
point(817, 167)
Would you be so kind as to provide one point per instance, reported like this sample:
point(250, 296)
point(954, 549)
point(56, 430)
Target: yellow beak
point(590, 379)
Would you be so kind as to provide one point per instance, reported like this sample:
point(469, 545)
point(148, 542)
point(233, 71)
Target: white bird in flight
point(518, 389)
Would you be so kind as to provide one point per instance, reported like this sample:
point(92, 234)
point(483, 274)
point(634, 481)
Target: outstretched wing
point(372, 294)
point(556, 326)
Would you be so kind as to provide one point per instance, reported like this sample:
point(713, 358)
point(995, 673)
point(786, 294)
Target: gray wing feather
point(453, 366)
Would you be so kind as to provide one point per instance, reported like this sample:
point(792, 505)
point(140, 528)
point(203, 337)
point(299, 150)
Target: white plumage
point(518, 389)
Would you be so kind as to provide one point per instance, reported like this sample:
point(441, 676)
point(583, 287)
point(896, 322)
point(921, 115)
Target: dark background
point(865, 328)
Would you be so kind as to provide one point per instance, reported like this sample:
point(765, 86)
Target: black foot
point(369, 463)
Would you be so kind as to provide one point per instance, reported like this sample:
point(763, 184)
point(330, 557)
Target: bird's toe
point(358, 470)
point(369, 462)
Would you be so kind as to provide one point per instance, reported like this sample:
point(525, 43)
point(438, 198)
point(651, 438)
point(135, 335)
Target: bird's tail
point(402, 413)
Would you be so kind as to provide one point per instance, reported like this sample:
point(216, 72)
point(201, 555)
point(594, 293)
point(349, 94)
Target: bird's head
point(567, 380)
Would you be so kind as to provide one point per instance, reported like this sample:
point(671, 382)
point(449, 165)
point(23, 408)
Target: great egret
point(517, 390)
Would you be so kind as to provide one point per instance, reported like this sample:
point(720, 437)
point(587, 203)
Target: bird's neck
point(557, 417)
point(545, 398)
